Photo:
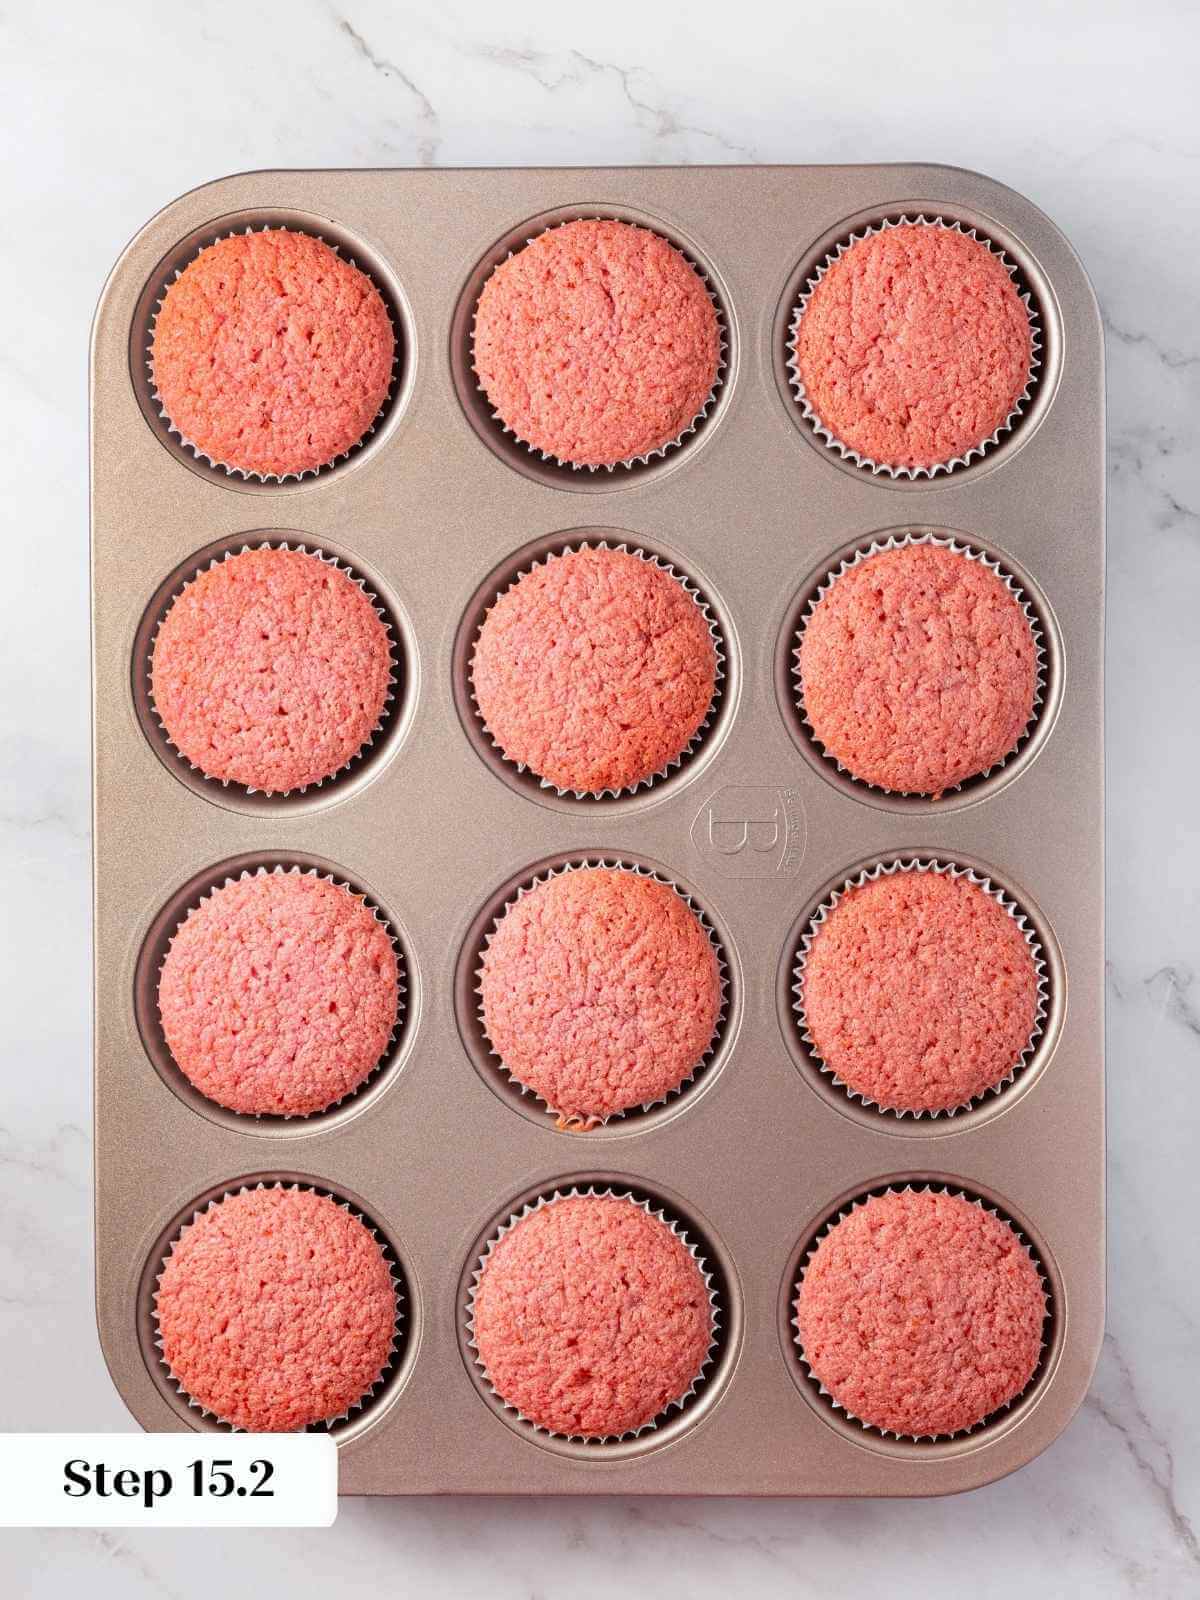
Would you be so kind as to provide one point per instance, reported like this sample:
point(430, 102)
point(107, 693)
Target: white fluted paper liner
point(684, 433)
point(976, 450)
point(950, 870)
point(607, 1193)
point(307, 872)
point(389, 702)
point(570, 1122)
point(901, 541)
point(223, 466)
point(920, 1188)
point(714, 631)
point(326, 1424)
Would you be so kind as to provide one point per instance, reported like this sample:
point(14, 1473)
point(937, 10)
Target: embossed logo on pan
point(752, 831)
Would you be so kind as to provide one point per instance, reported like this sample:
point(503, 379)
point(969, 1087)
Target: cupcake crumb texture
point(279, 994)
point(591, 1317)
point(271, 669)
point(921, 1313)
point(914, 347)
point(601, 991)
point(271, 354)
point(596, 343)
point(919, 991)
point(918, 669)
point(595, 670)
point(276, 1309)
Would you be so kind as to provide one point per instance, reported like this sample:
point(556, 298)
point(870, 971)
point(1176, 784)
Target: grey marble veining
point(1090, 108)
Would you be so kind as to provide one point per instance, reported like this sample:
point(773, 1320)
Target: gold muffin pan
point(436, 511)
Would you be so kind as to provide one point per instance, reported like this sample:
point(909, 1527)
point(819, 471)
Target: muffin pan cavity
point(362, 765)
point(486, 1060)
point(163, 927)
point(350, 248)
point(591, 822)
point(927, 1448)
point(1047, 644)
point(1048, 1004)
point(1034, 293)
point(537, 464)
point(725, 1302)
point(360, 1416)
point(683, 767)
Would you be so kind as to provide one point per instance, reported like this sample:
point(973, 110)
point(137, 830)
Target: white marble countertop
point(1090, 108)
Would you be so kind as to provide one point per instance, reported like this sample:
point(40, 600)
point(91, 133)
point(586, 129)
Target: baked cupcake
point(919, 991)
point(921, 1313)
point(918, 669)
point(913, 347)
point(271, 669)
point(279, 994)
point(276, 1310)
point(270, 354)
point(600, 990)
point(591, 1316)
point(597, 343)
point(596, 670)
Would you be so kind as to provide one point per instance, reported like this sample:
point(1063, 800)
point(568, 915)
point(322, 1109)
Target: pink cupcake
point(597, 343)
point(921, 1313)
point(600, 991)
point(919, 990)
point(591, 1316)
point(276, 1309)
point(913, 348)
point(271, 355)
point(279, 994)
point(918, 668)
point(596, 671)
point(272, 669)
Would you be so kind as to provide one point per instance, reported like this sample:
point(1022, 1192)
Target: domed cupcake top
point(276, 1309)
point(921, 1313)
point(919, 990)
point(600, 991)
point(596, 343)
point(591, 1316)
point(595, 670)
point(918, 669)
point(271, 354)
point(271, 669)
point(279, 994)
point(914, 346)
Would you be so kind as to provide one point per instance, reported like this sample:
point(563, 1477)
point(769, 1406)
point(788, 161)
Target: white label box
point(167, 1480)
